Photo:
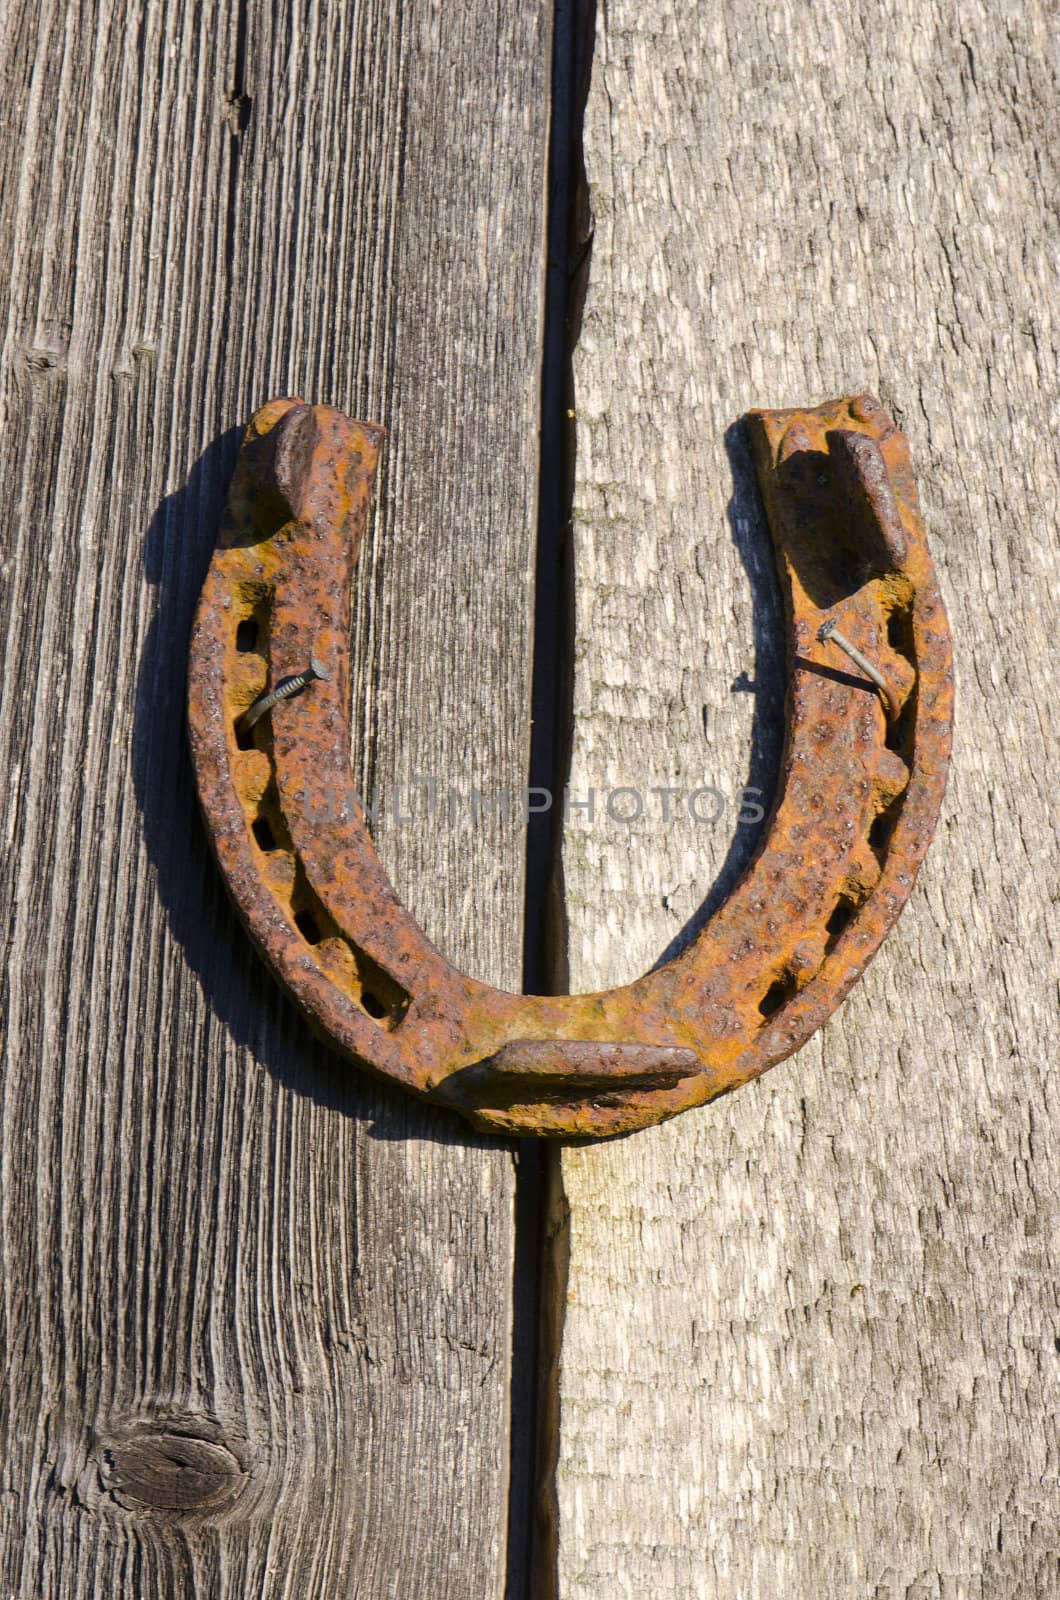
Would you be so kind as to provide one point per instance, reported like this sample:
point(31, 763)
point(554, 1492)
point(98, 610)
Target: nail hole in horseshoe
point(247, 635)
point(778, 993)
point(900, 632)
point(896, 737)
point(842, 916)
point(901, 639)
point(262, 830)
point(308, 927)
point(881, 830)
point(244, 736)
point(381, 996)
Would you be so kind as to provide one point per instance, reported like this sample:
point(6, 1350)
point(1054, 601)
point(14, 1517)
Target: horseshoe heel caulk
point(863, 773)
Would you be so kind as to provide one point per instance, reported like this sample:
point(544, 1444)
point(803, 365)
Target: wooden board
point(812, 1332)
point(257, 1314)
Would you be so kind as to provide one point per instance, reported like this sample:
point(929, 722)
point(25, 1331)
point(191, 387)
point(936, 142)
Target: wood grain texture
point(812, 1332)
point(256, 1316)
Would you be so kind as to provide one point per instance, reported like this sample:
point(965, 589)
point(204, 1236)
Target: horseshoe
point(863, 774)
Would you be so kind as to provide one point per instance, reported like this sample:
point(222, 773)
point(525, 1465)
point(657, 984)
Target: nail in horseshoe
point(862, 779)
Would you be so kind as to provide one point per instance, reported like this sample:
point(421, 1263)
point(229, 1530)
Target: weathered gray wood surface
point(812, 1333)
point(256, 1321)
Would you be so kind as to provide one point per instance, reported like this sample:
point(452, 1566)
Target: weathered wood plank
point(257, 1311)
point(811, 1338)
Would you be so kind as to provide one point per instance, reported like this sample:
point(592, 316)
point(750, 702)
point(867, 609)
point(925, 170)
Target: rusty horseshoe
point(862, 779)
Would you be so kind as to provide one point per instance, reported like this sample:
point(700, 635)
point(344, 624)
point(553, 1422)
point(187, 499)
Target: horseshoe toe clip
point(862, 779)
